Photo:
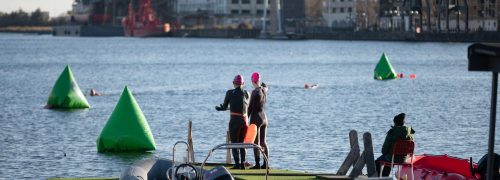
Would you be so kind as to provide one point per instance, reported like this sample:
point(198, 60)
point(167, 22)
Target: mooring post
point(369, 157)
point(358, 167)
point(228, 153)
point(353, 155)
point(190, 142)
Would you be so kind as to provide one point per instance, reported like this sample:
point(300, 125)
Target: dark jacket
point(237, 101)
point(394, 134)
point(257, 106)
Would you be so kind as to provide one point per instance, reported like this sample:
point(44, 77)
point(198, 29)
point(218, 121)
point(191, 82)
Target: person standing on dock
point(397, 132)
point(237, 101)
point(258, 117)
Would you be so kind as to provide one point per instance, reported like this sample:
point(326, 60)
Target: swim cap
point(238, 80)
point(255, 77)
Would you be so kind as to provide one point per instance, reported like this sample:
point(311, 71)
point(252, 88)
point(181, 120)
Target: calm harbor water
point(175, 80)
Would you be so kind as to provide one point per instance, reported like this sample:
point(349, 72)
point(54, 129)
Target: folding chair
point(403, 148)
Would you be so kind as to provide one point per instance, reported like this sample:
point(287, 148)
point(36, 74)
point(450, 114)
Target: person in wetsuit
point(237, 101)
point(258, 117)
point(397, 132)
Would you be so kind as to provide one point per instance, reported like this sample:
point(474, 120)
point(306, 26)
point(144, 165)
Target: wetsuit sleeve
point(225, 105)
point(265, 89)
point(263, 96)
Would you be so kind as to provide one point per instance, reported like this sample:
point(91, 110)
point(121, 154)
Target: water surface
point(175, 80)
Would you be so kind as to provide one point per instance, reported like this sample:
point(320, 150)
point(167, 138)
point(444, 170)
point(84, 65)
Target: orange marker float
point(251, 134)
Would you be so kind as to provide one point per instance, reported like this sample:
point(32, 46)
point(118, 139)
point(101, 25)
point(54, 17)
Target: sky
point(55, 7)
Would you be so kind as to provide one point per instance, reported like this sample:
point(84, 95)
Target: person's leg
point(387, 169)
point(256, 152)
point(263, 143)
point(234, 136)
point(235, 153)
point(241, 138)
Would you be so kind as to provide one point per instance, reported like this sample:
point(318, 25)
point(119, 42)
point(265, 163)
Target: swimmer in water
point(311, 86)
point(93, 92)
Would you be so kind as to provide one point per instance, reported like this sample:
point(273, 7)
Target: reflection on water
point(176, 80)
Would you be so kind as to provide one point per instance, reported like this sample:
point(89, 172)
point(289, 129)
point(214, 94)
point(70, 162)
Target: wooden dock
point(355, 162)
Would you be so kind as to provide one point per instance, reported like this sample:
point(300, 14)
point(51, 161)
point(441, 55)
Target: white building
point(196, 6)
point(227, 12)
point(340, 14)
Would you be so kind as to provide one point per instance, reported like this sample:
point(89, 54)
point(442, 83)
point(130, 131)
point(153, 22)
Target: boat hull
point(438, 167)
point(143, 32)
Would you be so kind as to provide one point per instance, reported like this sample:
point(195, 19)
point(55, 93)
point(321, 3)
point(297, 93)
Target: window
point(260, 1)
point(334, 10)
point(245, 1)
point(235, 1)
point(349, 9)
point(341, 10)
point(235, 11)
point(333, 1)
point(245, 11)
point(341, 0)
point(260, 12)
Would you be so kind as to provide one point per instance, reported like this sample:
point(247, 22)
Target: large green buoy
point(127, 129)
point(66, 93)
point(384, 69)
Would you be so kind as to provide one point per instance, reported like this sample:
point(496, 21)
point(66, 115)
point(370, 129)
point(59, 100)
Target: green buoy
point(384, 69)
point(66, 93)
point(127, 129)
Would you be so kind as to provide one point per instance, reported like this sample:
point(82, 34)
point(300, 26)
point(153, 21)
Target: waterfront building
point(483, 15)
point(221, 13)
point(314, 13)
point(340, 14)
point(247, 12)
point(367, 14)
point(477, 15)
point(294, 16)
point(198, 14)
point(488, 10)
point(390, 13)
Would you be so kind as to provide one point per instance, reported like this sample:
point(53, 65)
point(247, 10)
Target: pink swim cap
point(255, 77)
point(238, 80)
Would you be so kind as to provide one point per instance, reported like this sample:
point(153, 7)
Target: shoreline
point(27, 29)
point(485, 36)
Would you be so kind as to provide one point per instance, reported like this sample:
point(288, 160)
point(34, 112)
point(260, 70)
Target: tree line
point(23, 18)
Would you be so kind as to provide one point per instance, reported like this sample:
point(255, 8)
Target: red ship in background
point(144, 23)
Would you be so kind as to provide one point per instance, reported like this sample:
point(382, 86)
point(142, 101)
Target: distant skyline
point(54, 7)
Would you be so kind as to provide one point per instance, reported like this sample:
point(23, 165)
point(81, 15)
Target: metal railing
point(237, 146)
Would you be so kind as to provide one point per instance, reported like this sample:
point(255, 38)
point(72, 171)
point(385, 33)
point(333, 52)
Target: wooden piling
point(190, 142)
point(358, 166)
point(369, 158)
point(353, 155)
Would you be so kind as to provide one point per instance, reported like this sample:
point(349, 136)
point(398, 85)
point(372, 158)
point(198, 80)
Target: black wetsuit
point(237, 101)
point(258, 117)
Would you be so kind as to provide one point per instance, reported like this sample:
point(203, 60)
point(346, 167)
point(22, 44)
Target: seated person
point(397, 132)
